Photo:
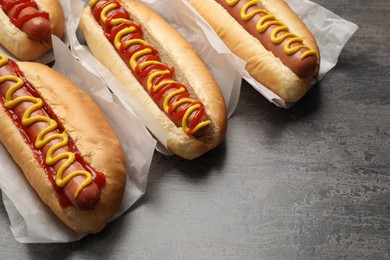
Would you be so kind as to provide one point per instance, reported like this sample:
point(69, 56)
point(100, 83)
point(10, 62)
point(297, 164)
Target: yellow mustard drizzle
point(268, 20)
point(133, 62)
point(3, 60)
point(41, 140)
point(93, 2)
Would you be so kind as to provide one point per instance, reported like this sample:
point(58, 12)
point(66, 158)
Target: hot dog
point(280, 51)
point(155, 63)
point(63, 144)
point(26, 26)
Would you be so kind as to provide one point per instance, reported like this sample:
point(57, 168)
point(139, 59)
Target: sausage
point(89, 196)
point(174, 105)
point(25, 15)
point(26, 26)
point(274, 35)
point(279, 51)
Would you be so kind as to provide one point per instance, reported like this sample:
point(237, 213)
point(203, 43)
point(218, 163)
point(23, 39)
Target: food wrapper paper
point(31, 220)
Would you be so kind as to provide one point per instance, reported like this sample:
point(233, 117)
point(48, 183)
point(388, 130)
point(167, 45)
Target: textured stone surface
point(311, 182)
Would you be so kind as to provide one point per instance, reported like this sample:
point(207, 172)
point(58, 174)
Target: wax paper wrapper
point(31, 220)
point(330, 31)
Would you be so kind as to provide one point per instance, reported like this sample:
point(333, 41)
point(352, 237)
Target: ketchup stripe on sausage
point(25, 15)
point(144, 62)
point(55, 151)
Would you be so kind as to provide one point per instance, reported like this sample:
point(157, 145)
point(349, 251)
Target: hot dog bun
point(93, 137)
point(262, 64)
point(19, 44)
point(175, 51)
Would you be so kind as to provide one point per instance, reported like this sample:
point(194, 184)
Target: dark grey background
point(310, 182)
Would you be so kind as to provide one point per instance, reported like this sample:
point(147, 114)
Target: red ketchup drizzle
point(22, 4)
point(142, 75)
point(98, 177)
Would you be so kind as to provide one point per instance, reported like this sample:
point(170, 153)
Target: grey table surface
point(310, 182)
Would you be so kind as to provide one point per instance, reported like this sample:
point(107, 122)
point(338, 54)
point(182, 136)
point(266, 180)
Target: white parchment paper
point(31, 220)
